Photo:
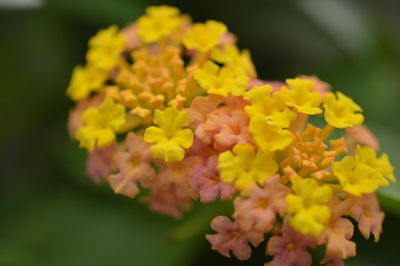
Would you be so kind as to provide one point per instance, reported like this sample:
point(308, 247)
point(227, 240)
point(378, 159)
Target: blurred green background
point(51, 214)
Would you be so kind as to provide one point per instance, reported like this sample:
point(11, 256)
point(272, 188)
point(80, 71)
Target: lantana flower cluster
point(175, 110)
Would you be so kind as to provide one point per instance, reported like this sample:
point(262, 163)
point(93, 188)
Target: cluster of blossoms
point(175, 109)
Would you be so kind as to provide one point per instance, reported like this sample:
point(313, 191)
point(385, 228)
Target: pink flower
point(338, 233)
point(257, 207)
point(231, 238)
point(99, 163)
point(133, 166)
point(201, 106)
point(366, 211)
point(360, 135)
point(227, 127)
point(132, 39)
point(205, 179)
point(290, 249)
point(170, 193)
point(200, 149)
point(169, 200)
point(220, 127)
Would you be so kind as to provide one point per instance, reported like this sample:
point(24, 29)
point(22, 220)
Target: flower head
point(169, 138)
point(195, 122)
point(341, 111)
point(204, 37)
point(100, 125)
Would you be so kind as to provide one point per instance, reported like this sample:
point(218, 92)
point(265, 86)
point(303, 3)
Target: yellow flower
point(105, 48)
point(158, 23)
point(204, 36)
point(100, 125)
point(354, 177)
point(220, 81)
point(85, 80)
point(268, 135)
point(301, 97)
point(307, 206)
point(245, 167)
point(169, 139)
point(342, 112)
point(231, 56)
point(382, 166)
point(263, 102)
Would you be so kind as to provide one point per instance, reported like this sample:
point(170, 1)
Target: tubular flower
point(169, 139)
point(133, 166)
point(258, 207)
point(232, 57)
point(356, 178)
point(100, 125)
point(105, 48)
point(204, 37)
point(221, 81)
point(381, 166)
point(231, 238)
point(290, 248)
point(84, 81)
point(300, 96)
point(245, 166)
point(158, 23)
point(341, 111)
point(269, 136)
point(206, 179)
point(272, 107)
point(308, 206)
point(195, 123)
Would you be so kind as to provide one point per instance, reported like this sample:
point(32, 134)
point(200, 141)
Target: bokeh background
point(51, 214)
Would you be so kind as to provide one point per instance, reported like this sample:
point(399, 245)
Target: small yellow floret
point(105, 48)
point(382, 166)
point(307, 206)
point(204, 36)
point(301, 97)
point(170, 138)
point(85, 80)
point(221, 81)
point(158, 23)
point(244, 166)
point(268, 135)
point(354, 177)
point(100, 125)
point(273, 108)
point(342, 112)
point(231, 56)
